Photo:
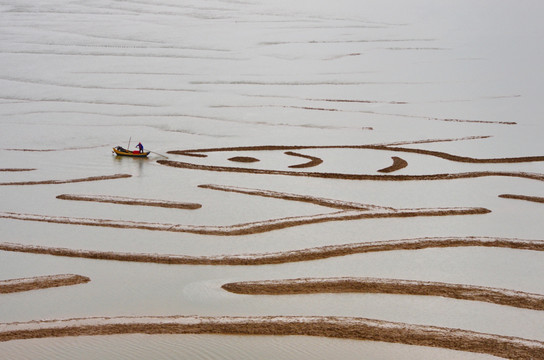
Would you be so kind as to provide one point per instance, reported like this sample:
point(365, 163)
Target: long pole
point(128, 147)
point(158, 154)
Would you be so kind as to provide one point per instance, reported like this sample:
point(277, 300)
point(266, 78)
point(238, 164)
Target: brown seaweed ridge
point(130, 201)
point(536, 199)
point(247, 228)
point(40, 282)
point(309, 254)
point(444, 176)
point(50, 182)
point(330, 326)
point(367, 285)
point(314, 161)
point(398, 163)
point(439, 154)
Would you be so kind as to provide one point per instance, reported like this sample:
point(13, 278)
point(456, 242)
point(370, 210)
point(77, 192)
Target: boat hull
point(130, 154)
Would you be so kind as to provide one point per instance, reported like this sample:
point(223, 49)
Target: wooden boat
point(119, 151)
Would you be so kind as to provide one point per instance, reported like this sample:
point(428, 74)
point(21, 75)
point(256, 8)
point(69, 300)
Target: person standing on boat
point(141, 147)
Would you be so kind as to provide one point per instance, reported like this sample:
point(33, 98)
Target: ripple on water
point(211, 347)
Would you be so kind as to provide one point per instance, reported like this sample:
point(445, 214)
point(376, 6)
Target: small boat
point(120, 151)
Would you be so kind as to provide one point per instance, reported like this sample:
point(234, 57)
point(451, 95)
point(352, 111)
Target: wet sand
point(282, 257)
point(130, 201)
point(334, 327)
point(40, 282)
point(51, 182)
point(388, 286)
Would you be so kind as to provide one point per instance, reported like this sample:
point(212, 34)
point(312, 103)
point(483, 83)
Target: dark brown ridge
point(243, 159)
point(47, 182)
point(130, 201)
point(246, 228)
point(309, 254)
point(439, 154)
point(314, 161)
point(398, 164)
point(446, 176)
point(331, 326)
point(523, 197)
point(15, 169)
point(40, 282)
point(389, 286)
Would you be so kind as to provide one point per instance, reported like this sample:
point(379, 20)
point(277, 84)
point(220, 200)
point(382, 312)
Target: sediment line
point(40, 282)
point(523, 197)
point(330, 326)
point(243, 159)
point(47, 182)
point(247, 228)
point(310, 254)
point(130, 201)
point(388, 286)
point(445, 176)
point(331, 203)
point(63, 149)
point(428, 141)
point(15, 169)
point(439, 154)
point(398, 164)
point(314, 161)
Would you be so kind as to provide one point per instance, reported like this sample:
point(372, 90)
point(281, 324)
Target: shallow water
point(78, 79)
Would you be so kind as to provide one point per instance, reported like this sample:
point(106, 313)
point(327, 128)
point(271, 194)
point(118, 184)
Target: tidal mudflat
point(368, 174)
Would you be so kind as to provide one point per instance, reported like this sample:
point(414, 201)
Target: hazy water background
point(78, 78)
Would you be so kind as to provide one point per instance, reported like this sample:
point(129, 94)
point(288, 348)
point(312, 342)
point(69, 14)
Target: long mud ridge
point(130, 201)
point(15, 169)
point(388, 286)
point(446, 176)
point(40, 282)
point(353, 212)
point(309, 254)
point(314, 161)
point(246, 228)
point(50, 182)
point(523, 197)
point(438, 154)
point(333, 327)
point(330, 203)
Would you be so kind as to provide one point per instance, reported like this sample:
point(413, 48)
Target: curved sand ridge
point(331, 203)
point(316, 253)
point(353, 212)
point(244, 159)
point(388, 286)
point(62, 149)
point(439, 154)
point(446, 176)
point(246, 228)
point(50, 182)
point(398, 163)
point(314, 161)
point(523, 197)
point(40, 282)
point(130, 201)
point(330, 326)
point(15, 169)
